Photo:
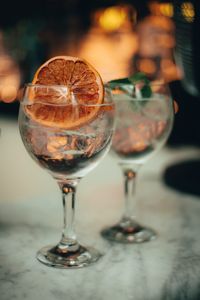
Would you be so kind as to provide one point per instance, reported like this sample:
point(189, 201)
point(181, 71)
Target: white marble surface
point(31, 216)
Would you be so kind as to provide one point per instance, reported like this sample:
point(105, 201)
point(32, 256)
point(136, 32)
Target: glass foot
point(57, 258)
point(128, 231)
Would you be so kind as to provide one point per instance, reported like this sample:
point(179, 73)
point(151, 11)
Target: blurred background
point(117, 37)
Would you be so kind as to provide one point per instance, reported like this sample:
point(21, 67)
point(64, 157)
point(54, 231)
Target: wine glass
point(142, 128)
point(68, 139)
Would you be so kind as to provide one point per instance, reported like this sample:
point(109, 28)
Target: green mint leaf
point(146, 91)
point(137, 85)
point(117, 83)
point(141, 85)
point(138, 77)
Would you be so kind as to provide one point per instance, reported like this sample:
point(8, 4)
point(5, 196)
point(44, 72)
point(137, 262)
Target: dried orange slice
point(74, 76)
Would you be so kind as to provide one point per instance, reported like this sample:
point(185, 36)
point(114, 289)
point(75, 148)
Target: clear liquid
point(65, 153)
point(136, 157)
point(76, 166)
point(141, 129)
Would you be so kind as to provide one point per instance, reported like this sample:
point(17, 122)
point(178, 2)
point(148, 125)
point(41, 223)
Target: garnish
point(137, 85)
point(72, 75)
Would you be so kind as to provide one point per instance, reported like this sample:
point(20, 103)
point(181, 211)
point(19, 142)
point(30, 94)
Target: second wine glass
point(142, 128)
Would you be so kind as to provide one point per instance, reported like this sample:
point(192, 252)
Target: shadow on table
point(184, 177)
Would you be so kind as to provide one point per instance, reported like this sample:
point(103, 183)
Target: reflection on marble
point(167, 268)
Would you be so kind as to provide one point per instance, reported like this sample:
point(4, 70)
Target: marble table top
point(167, 268)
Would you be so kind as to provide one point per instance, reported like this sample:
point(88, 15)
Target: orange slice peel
point(58, 85)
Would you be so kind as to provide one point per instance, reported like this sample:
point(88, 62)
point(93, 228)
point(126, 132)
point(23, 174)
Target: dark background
point(50, 19)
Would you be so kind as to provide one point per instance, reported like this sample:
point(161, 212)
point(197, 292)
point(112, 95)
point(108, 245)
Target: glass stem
point(130, 176)
point(68, 239)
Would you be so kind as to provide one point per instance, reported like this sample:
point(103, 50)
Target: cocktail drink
point(67, 152)
point(142, 128)
point(67, 132)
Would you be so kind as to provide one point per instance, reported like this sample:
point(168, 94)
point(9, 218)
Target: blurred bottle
point(156, 40)
point(9, 74)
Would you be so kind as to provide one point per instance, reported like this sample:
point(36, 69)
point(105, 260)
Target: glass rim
point(160, 89)
point(154, 97)
point(151, 82)
point(103, 104)
point(25, 101)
